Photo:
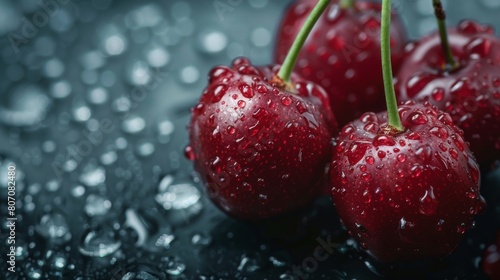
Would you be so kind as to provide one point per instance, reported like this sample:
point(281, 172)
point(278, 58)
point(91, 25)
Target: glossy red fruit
point(491, 260)
point(410, 195)
point(470, 94)
point(342, 54)
point(260, 149)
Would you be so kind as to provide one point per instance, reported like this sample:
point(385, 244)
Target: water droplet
point(381, 154)
point(109, 157)
point(428, 203)
point(139, 73)
point(49, 146)
point(60, 89)
point(81, 113)
point(25, 105)
point(96, 205)
point(92, 60)
point(145, 149)
point(440, 132)
point(242, 104)
point(370, 160)
point(175, 266)
point(99, 242)
point(201, 239)
point(121, 105)
point(33, 271)
point(246, 90)
point(121, 143)
point(367, 196)
point(58, 260)
point(366, 176)
point(164, 240)
point(453, 153)
point(462, 228)
point(286, 100)
point(53, 68)
point(179, 197)
point(133, 124)
point(165, 130)
point(261, 37)
point(189, 75)
point(212, 41)
point(158, 57)
point(189, 153)
point(248, 264)
point(93, 175)
point(54, 228)
point(401, 158)
point(383, 140)
point(417, 118)
point(438, 94)
point(98, 96)
point(115, 44)
point(356, 152)
point(52, 185)
point(77, 191)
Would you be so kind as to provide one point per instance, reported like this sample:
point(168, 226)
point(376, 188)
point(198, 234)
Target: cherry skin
point(470, 94)
point(410, 195)
point(260, 148)
point(342, 54)
point(491, 260)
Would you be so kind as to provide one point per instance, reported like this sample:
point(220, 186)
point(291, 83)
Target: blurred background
point(94, 102)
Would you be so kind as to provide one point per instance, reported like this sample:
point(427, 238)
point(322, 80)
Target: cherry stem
point(291, 59)
point(390, 94)
point(443, 33)
point(346, 4)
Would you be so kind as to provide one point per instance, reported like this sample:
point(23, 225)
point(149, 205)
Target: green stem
point(390, 95)
point(286, 69)
point(443, 33)
point(346, 4)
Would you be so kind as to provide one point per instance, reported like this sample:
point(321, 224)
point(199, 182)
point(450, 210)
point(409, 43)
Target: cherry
point(342, 53)
point(249, 137)
point(407, 195)
point(469, 90)
point(260, 137)
point(405, 184)
point(491, 260)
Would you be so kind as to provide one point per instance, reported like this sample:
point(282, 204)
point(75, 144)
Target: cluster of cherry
point(405, 182)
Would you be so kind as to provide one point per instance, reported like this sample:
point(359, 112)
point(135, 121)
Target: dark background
point(116, 79)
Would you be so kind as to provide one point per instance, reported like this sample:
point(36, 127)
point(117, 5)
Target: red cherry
point(470, 94)
point(342, 54)
point(410, 195)
point(491, 260)
point(260, 149)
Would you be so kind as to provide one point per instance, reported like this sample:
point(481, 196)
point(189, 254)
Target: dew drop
point(401, 158)
point(440, 132)
point(96, 205)
point(93, 175)
point(99, 242)
point(242, 104)
point(175, 266)
point(133, 124)
point(286, 100)
point(212, 41)
point(54, 228)
point(417, 118)
point(356, 152)
point(428, 203)
point(438, 94)
point(383, 140)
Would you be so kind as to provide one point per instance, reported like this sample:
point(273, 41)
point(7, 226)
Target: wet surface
point(95, 98)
